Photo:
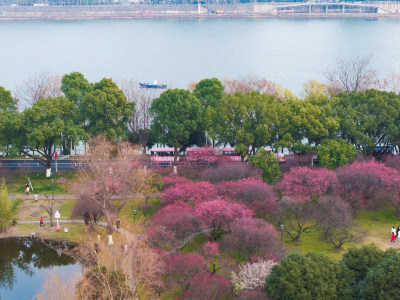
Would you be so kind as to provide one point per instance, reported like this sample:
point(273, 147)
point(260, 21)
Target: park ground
point(372, 226)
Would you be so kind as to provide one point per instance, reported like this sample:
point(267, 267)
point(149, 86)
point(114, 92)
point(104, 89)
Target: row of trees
point(332, 120)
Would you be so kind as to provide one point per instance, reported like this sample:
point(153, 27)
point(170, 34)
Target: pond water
point(24, 265)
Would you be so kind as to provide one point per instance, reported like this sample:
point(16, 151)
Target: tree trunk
point(175, 156)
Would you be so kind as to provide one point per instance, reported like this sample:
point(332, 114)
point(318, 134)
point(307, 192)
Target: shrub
point(230, 172)
point(252, 276)
point(335, 153)
point(306, 184)
point(250, 237)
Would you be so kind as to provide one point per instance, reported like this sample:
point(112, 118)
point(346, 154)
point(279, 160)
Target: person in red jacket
point(41, 222)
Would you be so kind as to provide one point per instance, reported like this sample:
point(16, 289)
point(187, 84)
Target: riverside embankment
point(137, 11)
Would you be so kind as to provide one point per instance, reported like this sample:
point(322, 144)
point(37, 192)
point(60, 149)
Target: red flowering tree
point(219, 214)
point(182, 268)
point(202, 154)
point(172, 224)
point(207, 286)
point(172, 180)
point(306, 184)
point(211, 249)
point(252, 192)
point(250, 237)
point(368, 183)
point(189, 192)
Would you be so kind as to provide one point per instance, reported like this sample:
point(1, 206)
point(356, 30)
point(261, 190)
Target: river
point(286, 51)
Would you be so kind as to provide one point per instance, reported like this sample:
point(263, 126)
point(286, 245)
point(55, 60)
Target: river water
point(25, 264)
point(287, 51)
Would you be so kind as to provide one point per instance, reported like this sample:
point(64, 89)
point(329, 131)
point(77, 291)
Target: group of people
point(395, 234)
point(86, 217)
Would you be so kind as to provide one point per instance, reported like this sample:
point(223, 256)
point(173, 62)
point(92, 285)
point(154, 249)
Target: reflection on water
point(24, 263)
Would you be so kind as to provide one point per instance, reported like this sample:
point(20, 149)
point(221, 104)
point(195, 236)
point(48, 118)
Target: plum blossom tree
point(367, 183)
point(189, 192)
point(172, 180)
point(306, 184)
point(211, 249)
point(182, 268)
point(334, 221)
point(252, 192)
point(172, 224)
point(206, 286)
point(252, 276)
point(202, 154)
point(249, 238)
point(105, 177)
point(297, 217)
point(219, 214)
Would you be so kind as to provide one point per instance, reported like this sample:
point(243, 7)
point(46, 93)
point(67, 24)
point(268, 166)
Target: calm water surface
point(24, 265)
point(287, 51)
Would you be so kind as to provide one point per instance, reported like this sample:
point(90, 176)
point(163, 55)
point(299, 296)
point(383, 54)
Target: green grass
point(41, 184)
point(195, 243)
point(374, 226)
point(66, 209)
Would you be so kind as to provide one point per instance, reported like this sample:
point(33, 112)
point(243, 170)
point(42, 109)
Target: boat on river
point(154, 85)
point(371, 19)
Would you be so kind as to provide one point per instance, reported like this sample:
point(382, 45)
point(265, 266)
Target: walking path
point(66, 197)
point(104, 224)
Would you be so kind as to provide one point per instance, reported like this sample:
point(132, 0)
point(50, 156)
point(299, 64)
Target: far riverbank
point(344, 10)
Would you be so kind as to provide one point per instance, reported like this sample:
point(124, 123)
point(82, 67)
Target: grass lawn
point(376, 226)
point(195, 243)
point(31, 210)
point(41, 184)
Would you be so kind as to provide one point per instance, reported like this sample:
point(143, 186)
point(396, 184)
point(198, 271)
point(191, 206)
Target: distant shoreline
point(132, 12)
point(193, 17)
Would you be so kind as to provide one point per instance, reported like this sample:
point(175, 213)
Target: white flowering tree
point(252, 275)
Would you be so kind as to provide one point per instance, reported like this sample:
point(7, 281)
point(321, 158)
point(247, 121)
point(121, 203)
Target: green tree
point(310, 120)
point(75, 86)
point(106, 111)
point(312, 276)
point(268, 163)
point(45, 125)
point(176, 115)
point(335, 153)
point(382, 281)
point(8, 209)
point(7, 102)
point(368, 119)
point(246, 121)
point(360, 260)
point(209, 92)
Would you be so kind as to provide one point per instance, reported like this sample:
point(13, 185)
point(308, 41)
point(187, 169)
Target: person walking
point(36, 196)
point(393, 235)
point(41, 222)
point(118, 222)
point(27, 189)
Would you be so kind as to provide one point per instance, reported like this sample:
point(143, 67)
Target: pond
point(25, 263)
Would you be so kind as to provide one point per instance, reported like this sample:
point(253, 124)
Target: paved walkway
point(31, 196)
point(104, 224)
